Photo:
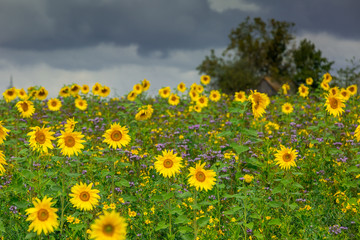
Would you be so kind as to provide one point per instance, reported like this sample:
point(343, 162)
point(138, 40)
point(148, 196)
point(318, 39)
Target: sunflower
point(3, 133)
point(65, 92)
point(40, 139)
point(131, 96)
point(54, 104)
point(285, 87)
point(357, 133)
point(259, 103)
point(285, 157)
point(9, 94)
point(334, 90)
point(197, 108)
point(165, 92)
point(194, 95)
point(81, 104)
point(174, 99)
point(202, 101)
point(43, 216)
point(327, 77)
point(303, 90)
point(352, 89)
point(105, 91)
point(168, 164)
point(240, 96)
point(96, 89)
point(117, 136)
point(199, 89)
point(144, 113)
point(26, 108)
point(325, 85)
point(309, 81)
point(74, 90)
point(214, 95)
point(137, 88)
point(22, 94)
point(2, 162)
point(83, 197)
point(205, 79)
point(334, 104)
point(345, 94)
point(287, 108)
point(110, 226)
point(70, 125)
point(41, 94)
point(70, 143)
point(200, 178)
point(145, 85)
point(85, 89)
point(181, 87)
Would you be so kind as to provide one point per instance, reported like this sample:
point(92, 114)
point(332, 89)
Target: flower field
point(189, 163)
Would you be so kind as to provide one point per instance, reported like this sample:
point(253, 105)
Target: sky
point(118, 43)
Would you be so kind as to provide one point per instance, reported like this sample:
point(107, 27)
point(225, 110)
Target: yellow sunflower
point(41, 94)
point(325, 85)
point(81, 104)
point(40, 139)
point(145, 85)
point(352, 89)
point(43, 216)
point(168, 164)
point(214, 95)
point(334, 104)
point(83, 197)
point(199, 89)
point(3, 133)
point(105, 91)
point(26, 108)
point(2, 163)
point(174, 99)
point(85, 89)
point(70, 125)
point(117, 136)
point(345, 94)
point(285, 87)
point(137, 88)
point(197, 108)
point(200, 178)
point(287, 108)
point(357, 133)
point(110, 226)
point(144, 113)
point(240, 96)
point(194, 95)
point(131, 96)
point(205, 79)
point(9, 94)
point(259, 103)
point(65, 92)
point(303, 90)
point(181, 87)
point(327, 77)
point(334, 90)
point(165, 92)
point(285, 157)
point(202, 101)
point(54, 104)
point(22, 94)
point(309, 81)
point(70, 143)
point(96, 89)
point(74, 89)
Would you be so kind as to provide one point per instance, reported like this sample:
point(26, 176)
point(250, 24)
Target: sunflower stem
point(169, 200)
point(194, 223)
point(113, 182)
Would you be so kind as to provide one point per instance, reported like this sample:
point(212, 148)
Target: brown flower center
point(43, 214)
point(108, 230)
point(173, 99)
point(201, 100)
point(41, 93)
point(40, 137)
point(287, 157)
point(10, 93)
point(116, 135)
point(333, 103)
point(84, 196)
point(54, 103)
point(69, 141)
point(24, 106)
point(168, 163)
point(200, 176)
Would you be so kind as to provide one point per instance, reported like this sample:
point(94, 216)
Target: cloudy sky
point(120, 42)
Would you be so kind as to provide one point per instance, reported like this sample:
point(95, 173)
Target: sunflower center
point(200, 176)
point(108, 230)
point(165, 92)
point(84, 196)
point(303, 90)
point(116, 135)
point(201, 100)
point(69, 141)
point(43, 214)
point(173, 99)
point(287, 157)
point(352, 89)
point(75, 88)
point(25, 106)
point(53, 103)
point(41, 93)
point(81, 103)
point(10, 93)
point(168, 163)
point(40, 137)
point(333, 103)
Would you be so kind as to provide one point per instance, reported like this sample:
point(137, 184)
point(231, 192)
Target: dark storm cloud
point(152, 25)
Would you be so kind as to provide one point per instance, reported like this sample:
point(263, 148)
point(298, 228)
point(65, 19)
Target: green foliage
point(350, 74)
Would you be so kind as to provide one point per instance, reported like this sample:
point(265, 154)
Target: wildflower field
point(189, 163)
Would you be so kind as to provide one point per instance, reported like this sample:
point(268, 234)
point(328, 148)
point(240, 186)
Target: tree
point(350, 74)
point(308, 62)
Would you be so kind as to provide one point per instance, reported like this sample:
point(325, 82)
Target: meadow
point(189, 163)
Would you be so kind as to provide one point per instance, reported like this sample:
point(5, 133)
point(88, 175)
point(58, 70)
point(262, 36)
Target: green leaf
point(249, 225)
point(167, 196)
point(275, 204)
point(2, 228)
point(239, 149)
point(275, 221)
point(161, 225)
point(124, 182)
point(157, 198)
point(353, 169)
point(293, 206)
point(185, 229)
point(232, 211)
point(31, 235)
point(278, 189)
point(203, 221)
point(297, 185)
point(181, 219)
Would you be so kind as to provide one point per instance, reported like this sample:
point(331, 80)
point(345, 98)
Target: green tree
point(350, 74)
